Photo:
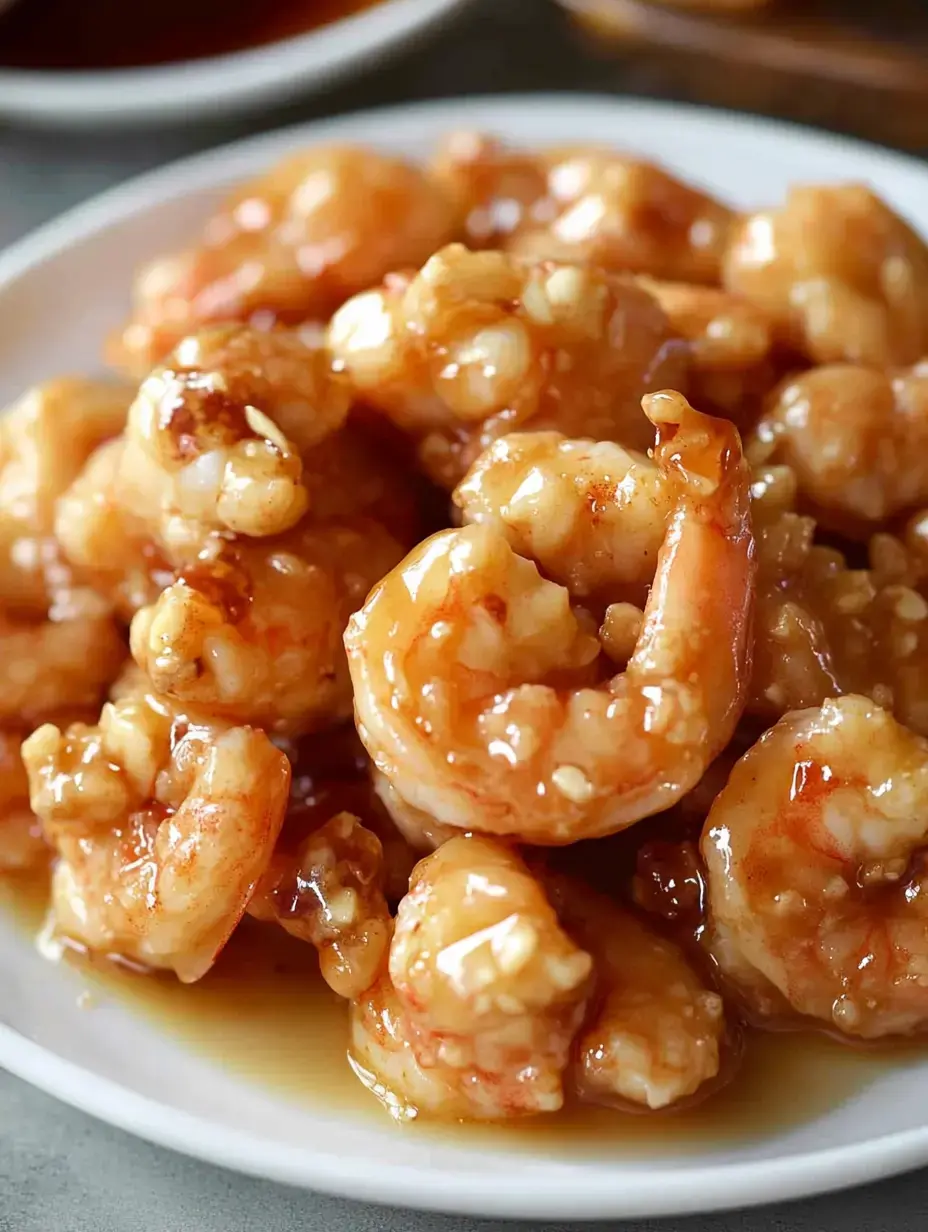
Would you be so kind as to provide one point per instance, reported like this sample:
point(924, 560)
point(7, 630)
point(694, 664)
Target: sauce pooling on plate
point(101, 34)
point(250, 1012)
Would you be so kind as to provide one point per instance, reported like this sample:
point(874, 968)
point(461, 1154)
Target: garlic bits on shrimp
point(817, 873)
point(479, 688)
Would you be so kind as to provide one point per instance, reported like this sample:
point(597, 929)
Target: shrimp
point(483, 995)
point(105, 526)
point(656, 1032)
point(253, 631)
point(824, 629)
point(45, 438)
point(48, 665)
point(733, 363)
point(816, 871)
point(288, 247)
point(496, 191)
point(162, 825)
point(22, 845)
point(332, 774)
point(329, 892)
point(422, 832)
point(465, 663)
point(110, 527)
point(591, 514)
point(843, 278)
point(856, 438)
point(582, 205)
point(477, 344)
point(226, 421)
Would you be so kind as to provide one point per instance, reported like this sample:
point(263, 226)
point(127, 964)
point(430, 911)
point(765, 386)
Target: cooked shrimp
point(856, 438)
point(50, 665)
point(496, 191)
point(823, 629)
point(253, 631)
point(589, 204)
point(110, 527)
point(591, 514)
point(464, 662)
point(22, 844)
point(478, 344)
point(656, 1032)
point(422, 832)
point(288, 246)
point(332, 774)
point(45, 438)
point(162, 826)
point(626, 214)
point(731, 346)
point(329, 892)
point(484, 994)
point(226, 420)
point(843, 277)
point(105, 523)
point(816, 871)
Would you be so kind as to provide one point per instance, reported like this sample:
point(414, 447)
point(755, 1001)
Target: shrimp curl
point(478, 690)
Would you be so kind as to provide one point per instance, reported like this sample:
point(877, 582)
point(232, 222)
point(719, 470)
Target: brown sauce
point(264, 1001)
point(95, 34)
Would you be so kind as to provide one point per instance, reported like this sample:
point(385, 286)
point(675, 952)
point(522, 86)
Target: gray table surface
point(61, 1171)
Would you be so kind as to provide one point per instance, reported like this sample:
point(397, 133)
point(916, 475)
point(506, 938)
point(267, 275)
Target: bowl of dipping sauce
point(100, 61)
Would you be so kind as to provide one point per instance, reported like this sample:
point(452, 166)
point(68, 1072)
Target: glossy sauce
point(262, 1002)
point(95, 34)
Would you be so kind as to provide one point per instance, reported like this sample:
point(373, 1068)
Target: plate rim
point(232, 82)
point(688, 1188)
point(435, 1188)
point(161, 184)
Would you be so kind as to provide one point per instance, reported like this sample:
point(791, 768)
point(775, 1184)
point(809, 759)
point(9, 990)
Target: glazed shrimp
point(496, 191)
point(591, 514)
point(45, 438)
point(252, 632)
point(584, 205)
point(841, 276)
point(656, 1032)
point(110, 528)
point(484, 993)
point(287, 247)
point(330, 893)
point(332, 774)
point(106, 526)
point(49, 665)
point(22, 844)
point(856, 438)
point(822, 628)
point(731, 346)
point(226, 419)
point(477, 344)
point(464, 662)
point(422, 832)
point(623, 213)
point(162, 826)
point(816, 872)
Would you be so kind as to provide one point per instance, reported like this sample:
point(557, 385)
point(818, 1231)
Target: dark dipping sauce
point(100, 34)
point(265, 1014)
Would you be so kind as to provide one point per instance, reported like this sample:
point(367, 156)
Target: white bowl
point(219, 85)
point(60, 292)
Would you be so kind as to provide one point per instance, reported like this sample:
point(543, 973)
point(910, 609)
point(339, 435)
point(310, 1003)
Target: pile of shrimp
point(508, 576)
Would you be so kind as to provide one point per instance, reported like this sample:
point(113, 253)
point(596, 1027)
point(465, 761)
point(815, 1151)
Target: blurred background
point(855, 66)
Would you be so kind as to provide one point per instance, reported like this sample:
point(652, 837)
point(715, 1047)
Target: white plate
point(220, 84)
point(60, 291)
